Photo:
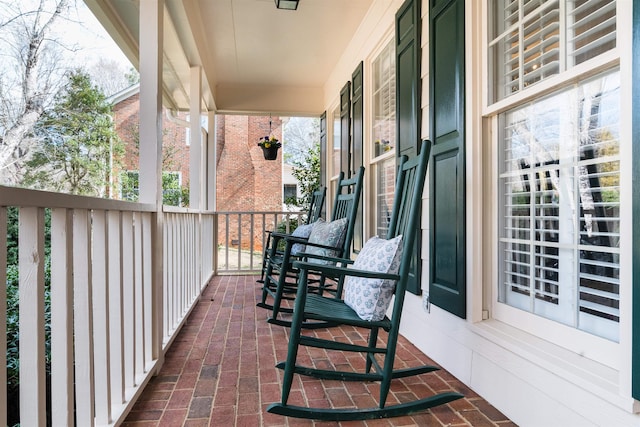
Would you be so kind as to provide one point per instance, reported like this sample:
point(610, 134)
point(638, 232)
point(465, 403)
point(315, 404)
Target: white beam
point(151, 51)
point(212, 156)
point(151, 34)
point(195, 151)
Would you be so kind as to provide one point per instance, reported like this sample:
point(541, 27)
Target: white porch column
point(151, 15)
point(212, 158)
point(151, 36)
point(196, 159)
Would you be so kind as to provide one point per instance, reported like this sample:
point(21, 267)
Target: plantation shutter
point(408, 104)
point(527, 42)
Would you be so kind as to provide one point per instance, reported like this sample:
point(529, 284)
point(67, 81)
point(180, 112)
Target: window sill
point(593, 377)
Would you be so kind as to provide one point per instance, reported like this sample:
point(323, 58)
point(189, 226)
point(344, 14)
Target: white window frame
point(383, 157)
point(583, 343)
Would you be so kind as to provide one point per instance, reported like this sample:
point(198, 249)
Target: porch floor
point(220, 371)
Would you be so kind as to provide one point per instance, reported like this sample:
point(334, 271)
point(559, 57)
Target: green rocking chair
point(315, 210)
point(379, 278)
point(280, 278)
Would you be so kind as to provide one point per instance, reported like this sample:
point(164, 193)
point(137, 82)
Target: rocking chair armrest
point(338, 249)
point(333, 260)
point(281, 235)
point(343, 271)
point(288, 240)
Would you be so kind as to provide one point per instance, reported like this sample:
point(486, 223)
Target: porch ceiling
point(254, 57)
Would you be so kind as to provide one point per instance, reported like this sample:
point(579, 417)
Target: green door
point(447, 186)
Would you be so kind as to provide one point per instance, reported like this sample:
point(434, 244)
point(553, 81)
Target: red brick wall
point(245, 180)
point(175, 150)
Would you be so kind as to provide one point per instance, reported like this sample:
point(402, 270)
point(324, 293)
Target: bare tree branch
point(36, 80)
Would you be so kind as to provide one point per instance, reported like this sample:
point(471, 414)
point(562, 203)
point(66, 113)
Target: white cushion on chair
point(327, 234)
point(370, 298)
point(303, 231)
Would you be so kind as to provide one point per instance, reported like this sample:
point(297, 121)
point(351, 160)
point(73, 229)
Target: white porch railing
point(114, 308)
point(241, 237)
point(112, 314)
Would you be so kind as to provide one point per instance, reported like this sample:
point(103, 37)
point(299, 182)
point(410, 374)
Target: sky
point(92, 38)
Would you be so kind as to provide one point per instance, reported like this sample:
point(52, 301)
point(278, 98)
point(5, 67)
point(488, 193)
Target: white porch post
point(212, 156)
point(32, 354)
point(196, 159)
point(211, 184)
point(151, 36)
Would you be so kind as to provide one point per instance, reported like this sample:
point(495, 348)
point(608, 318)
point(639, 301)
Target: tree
point(31, 75)
point(307, 172)
point(299, 135)
point(110, 76)
point(78, 142)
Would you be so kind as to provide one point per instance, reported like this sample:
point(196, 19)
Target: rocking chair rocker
point(309, 306)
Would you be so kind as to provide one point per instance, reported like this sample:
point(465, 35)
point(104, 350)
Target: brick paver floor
point(220, 371)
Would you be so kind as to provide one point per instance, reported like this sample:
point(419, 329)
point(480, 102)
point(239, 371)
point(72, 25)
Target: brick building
point(245, 180)
point(126, 106)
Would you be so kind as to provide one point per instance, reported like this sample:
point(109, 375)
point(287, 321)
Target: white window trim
point(370, 160)
point(584, 344)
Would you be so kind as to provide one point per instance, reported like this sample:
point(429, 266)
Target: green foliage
point(282, 225)
point(132, 76)
point(173, 194)
point(12, 235)
point(78, 142)
point(307, 172)
point(13, 295)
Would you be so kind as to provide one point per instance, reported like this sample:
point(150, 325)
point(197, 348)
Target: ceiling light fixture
point(287, 4)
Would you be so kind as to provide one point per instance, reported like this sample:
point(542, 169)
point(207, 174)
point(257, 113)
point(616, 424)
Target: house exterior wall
point(175, 148)
point(245, 180)
point(241, 168)
point(532, 379)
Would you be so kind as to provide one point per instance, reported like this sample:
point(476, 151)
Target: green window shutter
point(357, 143)
point(345, 129)
point(447, 186)
point(635, 352)
point(407, 37)
point(323, 149)
point(408, 78)
point(323, 155)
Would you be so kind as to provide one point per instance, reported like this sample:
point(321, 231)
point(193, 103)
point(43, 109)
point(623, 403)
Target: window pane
point(385, 175)
point(560, 179)
point(384, 136)
point(290, 192)
point(592, 28)
point(532, 40)
point(335, 153)
point(384, 101)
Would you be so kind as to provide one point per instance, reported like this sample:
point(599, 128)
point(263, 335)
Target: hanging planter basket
point(270, 153)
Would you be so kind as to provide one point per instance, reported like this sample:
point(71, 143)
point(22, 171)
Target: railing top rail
point(180, 209)
point(261, 212)
point(12, 196)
